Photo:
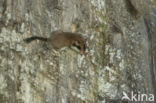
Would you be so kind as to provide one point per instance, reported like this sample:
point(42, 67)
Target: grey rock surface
point(121, 40)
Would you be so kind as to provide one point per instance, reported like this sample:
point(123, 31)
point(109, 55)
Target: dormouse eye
point(78, 47)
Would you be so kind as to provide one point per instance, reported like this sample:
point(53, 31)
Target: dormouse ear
point(77, 42)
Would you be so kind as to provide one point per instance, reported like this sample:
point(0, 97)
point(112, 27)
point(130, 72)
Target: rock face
point(121, 39)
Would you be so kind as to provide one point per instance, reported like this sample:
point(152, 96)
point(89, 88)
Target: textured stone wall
point(121, 40)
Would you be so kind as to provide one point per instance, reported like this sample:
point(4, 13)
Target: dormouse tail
point(28, 40)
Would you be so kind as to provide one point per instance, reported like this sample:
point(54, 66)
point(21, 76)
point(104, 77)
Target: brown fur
point(62, 39)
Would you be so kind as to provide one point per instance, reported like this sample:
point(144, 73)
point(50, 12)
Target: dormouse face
point(80, 44)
